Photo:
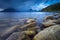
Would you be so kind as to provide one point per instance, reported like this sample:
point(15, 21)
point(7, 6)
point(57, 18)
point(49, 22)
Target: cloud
point(25, 5)
point(39, 7)
point(44, 4)
point(1, 9)
point(17, 4)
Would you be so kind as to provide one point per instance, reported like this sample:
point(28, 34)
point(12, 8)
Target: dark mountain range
point(10, 10)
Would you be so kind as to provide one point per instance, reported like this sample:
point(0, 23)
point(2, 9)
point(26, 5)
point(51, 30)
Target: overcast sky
point(25, 5)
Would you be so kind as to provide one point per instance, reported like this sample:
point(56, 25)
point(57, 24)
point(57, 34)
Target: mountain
point(52, 8)
point(10, 10)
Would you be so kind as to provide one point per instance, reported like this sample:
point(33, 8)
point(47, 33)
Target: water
point(6, 17)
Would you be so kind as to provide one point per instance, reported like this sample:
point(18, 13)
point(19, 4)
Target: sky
point(25, 5)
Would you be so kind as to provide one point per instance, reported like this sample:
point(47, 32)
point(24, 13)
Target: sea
point(9, 19)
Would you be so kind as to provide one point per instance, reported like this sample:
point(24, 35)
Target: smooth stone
point(50, 33)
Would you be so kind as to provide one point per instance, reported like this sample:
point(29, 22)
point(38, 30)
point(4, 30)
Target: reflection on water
point(13, 18)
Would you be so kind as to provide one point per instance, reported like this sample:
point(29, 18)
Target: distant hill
point(10, 10)
point(51, 8)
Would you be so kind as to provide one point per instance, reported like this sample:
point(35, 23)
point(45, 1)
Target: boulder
point(28, 26)
point(49, 23)
point(59, 15)
point(50, 33)
point(50, 17)
point(57, 21)
point(29, 32)
point(51, 20)
point(18, 36)
point(30, 20)
point(56, 16)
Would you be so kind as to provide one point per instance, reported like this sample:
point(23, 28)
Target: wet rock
point(30, 20)
point(27, 26)
point(51, 20)
point(59, 15)
point(49, 23)
point(9, 31)
point(18, 36)
point(50, 33)
point(33, 24)
point(29, 32)
point(50, 17)
point(56, 16)
point(57, 21)
point(35, 28)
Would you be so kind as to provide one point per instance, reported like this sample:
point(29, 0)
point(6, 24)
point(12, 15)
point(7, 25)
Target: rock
point(57, 16)
point(9, 31)
point(28, 26)
point(35, 28)
point(30, 20)
point(24, 35)
point(29, 33)
point(18, 36)
point(33, 24)
point(51, 20)
point(50, 33)
point(50, 17)
point(49, 23)
point(57, 21)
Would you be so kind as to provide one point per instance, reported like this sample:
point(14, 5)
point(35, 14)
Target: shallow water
point(6, 17)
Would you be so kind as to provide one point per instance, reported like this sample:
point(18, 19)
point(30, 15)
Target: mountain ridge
point(54, 7)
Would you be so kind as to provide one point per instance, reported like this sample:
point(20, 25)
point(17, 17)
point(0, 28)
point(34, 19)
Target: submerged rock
point(50, 33)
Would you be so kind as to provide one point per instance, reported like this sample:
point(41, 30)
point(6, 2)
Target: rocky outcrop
point(31, 31)
point(51, 20)
point(18, 36)
point(51, 33)
point(8, 32)
point(51, 30)
point(49, 23)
